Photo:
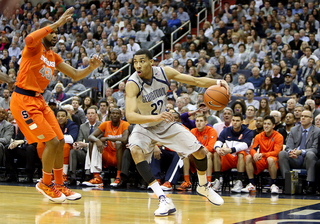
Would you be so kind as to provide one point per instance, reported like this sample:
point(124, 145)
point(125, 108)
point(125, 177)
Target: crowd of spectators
point(267, 51)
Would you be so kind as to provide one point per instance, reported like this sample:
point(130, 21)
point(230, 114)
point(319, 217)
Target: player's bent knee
point(248, 158)
point(53, 142)
point(136, 151)
point(270, 161)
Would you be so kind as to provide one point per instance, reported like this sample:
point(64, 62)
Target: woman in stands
point(267, 87)
point(266, 69)
point(283, 68)
point(283, 112)
point(312, 82)
point(229, 80)
point(87, 102)
point(59, 95)
point(264, 108)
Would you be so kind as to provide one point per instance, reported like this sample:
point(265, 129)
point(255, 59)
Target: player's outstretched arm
point(132, 116)
point(200, 82)
point(33, 39)
point(78, 74)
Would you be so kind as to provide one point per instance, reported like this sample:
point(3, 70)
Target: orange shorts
point(229, 161)
point(34, 118)
point(109, 157)
point(262, 164)
point(66, 151)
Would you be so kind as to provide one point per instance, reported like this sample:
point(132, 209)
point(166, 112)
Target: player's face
point(51, 39)
point(115, 115)
point(236, 122)
point(200, 123)
point(62, 118)
point(143, 65)
point(268, 126)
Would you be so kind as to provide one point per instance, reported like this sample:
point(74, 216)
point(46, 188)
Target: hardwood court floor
point(20, 204)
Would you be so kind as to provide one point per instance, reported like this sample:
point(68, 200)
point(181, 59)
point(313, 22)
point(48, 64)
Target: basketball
point(216, 97)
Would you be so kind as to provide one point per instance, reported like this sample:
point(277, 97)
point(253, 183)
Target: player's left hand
point(225, 85)
point(94, 62)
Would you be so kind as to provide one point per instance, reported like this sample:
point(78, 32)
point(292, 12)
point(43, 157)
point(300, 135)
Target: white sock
point(157, 189)
point(202, 179)
point(65, 169)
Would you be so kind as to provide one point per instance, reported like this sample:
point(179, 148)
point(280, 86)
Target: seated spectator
point(264, 108)
point(239, 107)
point(277, 78)
point(168, 61)
point(264, 155)
point(111, 145)
point(6, 133)
point(286, 89)
point(71, 115)
point(301, 150)
point(250, 122)
point(250, 101)
point(291, 61)
point(58, 93)
point(253, 63)
point(312, 105)
point(203, 67)
point(241, 88)
point(74, 88)
point(274, 53)
point(226, 117)
point(5, 100)
point(77, 110)
point(228, 78)
point(273, 104)
point(306, 70)
point(307, 95)
point(193, 54)
point(238, 140)
point(125, 57)
point(256, 79)
point(213, 73)
point(291, 104)
point(231, 57)
point(312, 82)
point(266, 69)
point(223, 68)
point(304, 60)
point(297, 114)
point(25, 154)
point(283, 68)
point(87, 103)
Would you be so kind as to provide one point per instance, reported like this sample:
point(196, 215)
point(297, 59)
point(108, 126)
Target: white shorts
point(173, 136)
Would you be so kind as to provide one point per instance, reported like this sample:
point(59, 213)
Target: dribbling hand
point(94, 62)
point(225, 85)
point(166, 116)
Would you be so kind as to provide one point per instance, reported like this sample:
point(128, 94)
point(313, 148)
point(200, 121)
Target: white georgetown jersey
point(152, 97)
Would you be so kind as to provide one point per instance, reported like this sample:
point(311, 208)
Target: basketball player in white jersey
point(146, 106)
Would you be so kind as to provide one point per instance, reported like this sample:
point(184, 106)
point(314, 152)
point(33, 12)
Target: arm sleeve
point(278, 145)
point(186, 121)
point(33, 38)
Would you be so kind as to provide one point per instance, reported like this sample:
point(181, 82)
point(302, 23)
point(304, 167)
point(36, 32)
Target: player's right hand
point(66, 16)
point(99, 146)
point(166, 116)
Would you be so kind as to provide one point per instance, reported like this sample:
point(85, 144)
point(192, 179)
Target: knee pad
point(201, 164)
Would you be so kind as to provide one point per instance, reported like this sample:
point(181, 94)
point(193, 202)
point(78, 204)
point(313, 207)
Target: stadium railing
point(78, 94)
point(203, 19)
point(216, 6)
point(179, 38)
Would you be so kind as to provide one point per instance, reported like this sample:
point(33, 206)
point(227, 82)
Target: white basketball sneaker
point(166, 207)
point(208, 192)
point(237, 187)
point(274, 189)
point(249, 188)
point(216, 185)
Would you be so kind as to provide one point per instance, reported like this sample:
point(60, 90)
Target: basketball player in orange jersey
point(34, 117)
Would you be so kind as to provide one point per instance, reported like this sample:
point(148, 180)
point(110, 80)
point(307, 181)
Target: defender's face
point(51, 39)
point(142, 64)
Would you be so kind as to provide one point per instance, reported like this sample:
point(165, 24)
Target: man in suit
point(25, 153)
point(6, 133)
point(80, 147)
point(301, 149)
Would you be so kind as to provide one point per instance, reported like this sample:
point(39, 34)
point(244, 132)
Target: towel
point(95, 165)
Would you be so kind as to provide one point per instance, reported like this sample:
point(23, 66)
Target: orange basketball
point(216, 97)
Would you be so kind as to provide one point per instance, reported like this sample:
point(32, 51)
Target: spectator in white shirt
point(125, 56)
point(14, 50)
point(243, 86)
point(132, 46)
point(304, 60)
